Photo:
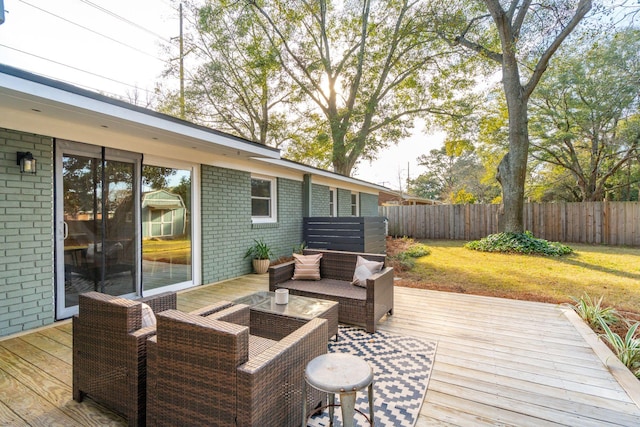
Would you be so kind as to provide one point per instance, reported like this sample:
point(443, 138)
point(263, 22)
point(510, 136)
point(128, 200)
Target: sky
point(114, 47)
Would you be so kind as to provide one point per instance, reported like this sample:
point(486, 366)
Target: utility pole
point(182, 115)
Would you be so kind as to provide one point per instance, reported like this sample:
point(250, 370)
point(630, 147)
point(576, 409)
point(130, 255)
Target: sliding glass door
point(166, 214)
point(122, 228)
point(96, 223)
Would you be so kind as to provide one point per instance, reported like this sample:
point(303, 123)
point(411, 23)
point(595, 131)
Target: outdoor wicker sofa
point(110, 350)
point(211, 371)
point(357, 305)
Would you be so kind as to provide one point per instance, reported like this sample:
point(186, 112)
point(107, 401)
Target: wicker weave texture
point(201, 374)
point(355, 306)
point(109, 351)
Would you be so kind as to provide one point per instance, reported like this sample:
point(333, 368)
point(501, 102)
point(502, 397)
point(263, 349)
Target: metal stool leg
point(332, 404)
point(347, 404)
point(304, 403)
point(371, 419)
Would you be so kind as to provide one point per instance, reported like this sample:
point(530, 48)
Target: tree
point(584, 114)
point(237, 85)
point(363, 69)
point(521, 36)
point(452, 178)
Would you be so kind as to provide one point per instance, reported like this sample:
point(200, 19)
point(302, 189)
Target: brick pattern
point(344, 202)
point(368, 204)
point(227, 230)
point(320, 200)
point(26, 234)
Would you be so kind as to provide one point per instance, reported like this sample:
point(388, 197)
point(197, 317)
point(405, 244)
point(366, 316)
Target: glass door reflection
point(166, 227)
point(99, 228)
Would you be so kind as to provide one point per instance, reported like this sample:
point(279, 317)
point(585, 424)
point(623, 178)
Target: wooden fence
point(609, 223)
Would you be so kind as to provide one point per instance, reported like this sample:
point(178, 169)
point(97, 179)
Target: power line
point(77, 69)
point(95, 32)
point(115, 15)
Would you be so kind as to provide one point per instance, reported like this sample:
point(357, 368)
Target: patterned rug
point(402, 368)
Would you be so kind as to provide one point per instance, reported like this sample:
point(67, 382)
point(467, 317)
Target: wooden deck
point(499, 363)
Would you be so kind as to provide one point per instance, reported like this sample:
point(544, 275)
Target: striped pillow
point(307, 267)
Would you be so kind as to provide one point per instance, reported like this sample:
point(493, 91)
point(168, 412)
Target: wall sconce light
point(27, 162)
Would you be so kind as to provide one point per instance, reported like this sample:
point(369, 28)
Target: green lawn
point(612, 272)
point(177, 251)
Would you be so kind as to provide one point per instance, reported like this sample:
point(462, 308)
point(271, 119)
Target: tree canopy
point(330, 82)
point(584, 115)
point(452, 177)
point(521, 36)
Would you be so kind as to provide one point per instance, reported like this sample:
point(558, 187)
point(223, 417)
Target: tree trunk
point(512, 169)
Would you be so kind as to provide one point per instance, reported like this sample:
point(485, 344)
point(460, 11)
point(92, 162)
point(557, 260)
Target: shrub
point(520, 243)
point(592, 312)
point(417, 250)
point(402, 262)
point(405, 260)
point(626, 349)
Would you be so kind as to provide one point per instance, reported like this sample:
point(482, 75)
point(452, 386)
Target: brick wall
point(368, 204)
point(320, 200)
point(26, 234)
point(344, 202)
point(227, 230)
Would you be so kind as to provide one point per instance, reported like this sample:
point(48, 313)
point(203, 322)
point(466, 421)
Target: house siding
point(26, 234)
point(368, 204)
point(227, 230)
point(27, 264)
point(320, 200)
point(344, 202)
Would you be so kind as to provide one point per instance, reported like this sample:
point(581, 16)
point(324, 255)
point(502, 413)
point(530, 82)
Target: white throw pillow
point(148, 318)
point(364, 270)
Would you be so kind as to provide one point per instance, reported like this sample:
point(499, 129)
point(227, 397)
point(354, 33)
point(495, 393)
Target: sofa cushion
point(307, 267)
point(364, 270)
point(326, 288)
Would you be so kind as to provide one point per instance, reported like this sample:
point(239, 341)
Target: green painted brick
point(320, 200)
point(368, 204)
point(26, 267)
point(344, 202)
point(226, 217)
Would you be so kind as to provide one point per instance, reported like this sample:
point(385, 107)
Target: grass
point(610, 272)
point(177, 251)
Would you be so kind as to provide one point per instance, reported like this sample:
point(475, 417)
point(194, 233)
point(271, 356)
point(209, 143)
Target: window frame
point(273, 197)
point(333, 202)
point(355, 205)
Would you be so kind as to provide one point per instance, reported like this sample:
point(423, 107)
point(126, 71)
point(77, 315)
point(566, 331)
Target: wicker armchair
point(206, 371)
point(110, 350)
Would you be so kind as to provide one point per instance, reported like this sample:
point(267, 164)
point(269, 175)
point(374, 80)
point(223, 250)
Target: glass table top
point(298, 306)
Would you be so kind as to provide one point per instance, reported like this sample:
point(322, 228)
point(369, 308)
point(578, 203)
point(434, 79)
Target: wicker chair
point(109, 350)
point(206, 371)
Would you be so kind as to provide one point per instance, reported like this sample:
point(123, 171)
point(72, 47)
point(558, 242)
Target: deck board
point(499, 362)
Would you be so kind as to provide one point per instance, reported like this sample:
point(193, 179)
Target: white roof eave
point(22, 95)
point(319, 172)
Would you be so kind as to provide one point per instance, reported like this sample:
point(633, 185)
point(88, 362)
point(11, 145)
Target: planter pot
point(261, 266)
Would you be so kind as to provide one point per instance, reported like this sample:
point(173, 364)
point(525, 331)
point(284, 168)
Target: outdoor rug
point(401, 367)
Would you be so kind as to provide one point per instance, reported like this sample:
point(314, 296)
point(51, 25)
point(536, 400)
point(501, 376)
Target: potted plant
point(261, 254)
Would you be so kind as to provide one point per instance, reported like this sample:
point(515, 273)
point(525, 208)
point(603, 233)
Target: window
point(355, 208)
point(160, 222)
point(263, 199)
point(333, 205)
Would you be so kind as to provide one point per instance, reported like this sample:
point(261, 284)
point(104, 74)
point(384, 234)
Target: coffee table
point(275, 321)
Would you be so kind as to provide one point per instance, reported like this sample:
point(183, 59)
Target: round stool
point(338, 373)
